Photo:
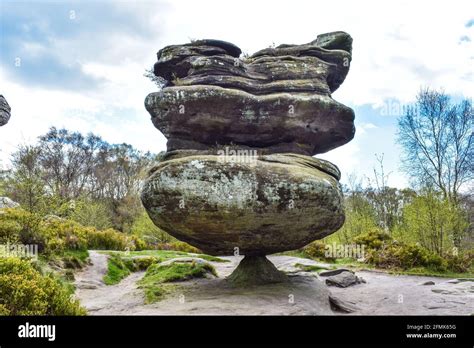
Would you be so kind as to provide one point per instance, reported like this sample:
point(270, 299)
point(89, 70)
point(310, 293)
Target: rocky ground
point(305, 294)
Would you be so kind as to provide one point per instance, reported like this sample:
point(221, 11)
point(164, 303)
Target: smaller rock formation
point(6, 203)
point(344, 279)
point(4, 111)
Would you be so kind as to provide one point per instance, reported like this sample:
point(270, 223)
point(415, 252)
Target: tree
point(69, 173)
point(25, 184)
point(67, 160)
point(434, 222)
point(437, 140)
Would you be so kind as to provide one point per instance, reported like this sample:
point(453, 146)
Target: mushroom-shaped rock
point(238, 175)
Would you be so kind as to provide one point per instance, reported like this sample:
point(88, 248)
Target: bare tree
point(437, 140)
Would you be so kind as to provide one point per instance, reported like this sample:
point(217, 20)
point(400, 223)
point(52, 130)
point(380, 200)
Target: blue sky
point(80, 64)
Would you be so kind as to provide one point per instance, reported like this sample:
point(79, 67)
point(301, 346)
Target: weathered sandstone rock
point(238, 176)
point(304, 123)
point(261, 206)
point(277, 100)
point(4, 111)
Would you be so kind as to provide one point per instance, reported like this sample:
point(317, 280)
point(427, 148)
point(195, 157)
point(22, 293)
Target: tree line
point(80, 176)
point(437, 141)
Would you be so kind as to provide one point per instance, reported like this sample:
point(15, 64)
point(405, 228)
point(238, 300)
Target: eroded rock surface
point(277, 100)
point(4, 111)
point(238, 175)
point(269, 204)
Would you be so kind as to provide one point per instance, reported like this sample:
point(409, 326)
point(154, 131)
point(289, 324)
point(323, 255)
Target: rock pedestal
point(238, 176)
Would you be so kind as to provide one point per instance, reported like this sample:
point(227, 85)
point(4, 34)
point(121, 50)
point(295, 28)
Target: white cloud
point(398, 46)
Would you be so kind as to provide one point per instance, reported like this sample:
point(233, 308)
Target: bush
point(434, 222)
point(317, 249)
point(405, 256)
point(109, 240)
point(54, 235)
point(19, 226)
point(25, 291)
point(373, 239)
point(60, 234)
point(460, 263)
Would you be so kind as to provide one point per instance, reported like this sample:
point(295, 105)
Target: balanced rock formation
point(4, 111)
point(238, 175)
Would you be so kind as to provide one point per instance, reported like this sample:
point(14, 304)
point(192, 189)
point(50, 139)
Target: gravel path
point(305, 294)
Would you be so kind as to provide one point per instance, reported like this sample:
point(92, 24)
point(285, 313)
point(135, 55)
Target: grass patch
point(165, 254)
point(153, 283)
point(122, 263)
point(116, 270)
point(75, 259)
point(211, 258)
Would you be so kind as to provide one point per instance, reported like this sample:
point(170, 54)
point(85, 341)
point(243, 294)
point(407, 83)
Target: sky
point(80, 64)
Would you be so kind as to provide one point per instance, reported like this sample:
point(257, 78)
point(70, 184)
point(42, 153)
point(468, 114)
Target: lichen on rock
point(4, 111)
point(238, 175)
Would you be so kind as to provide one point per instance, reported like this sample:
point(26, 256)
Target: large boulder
point(4, 111)
point(263, 205)
point(277, 100)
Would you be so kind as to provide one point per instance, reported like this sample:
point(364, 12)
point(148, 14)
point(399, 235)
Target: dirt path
point(305, 294)
point(95, 296)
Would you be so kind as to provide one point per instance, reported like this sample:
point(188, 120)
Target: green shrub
point(9, 231)
point(144, 228)
point(460, 263)
point(91, 213)
point(19, 226)
point(60, 234)
point(54, 235)
point(25, 291)
point(317, 249)
point(405, 256)
point(373, 239)
point(108, 240)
